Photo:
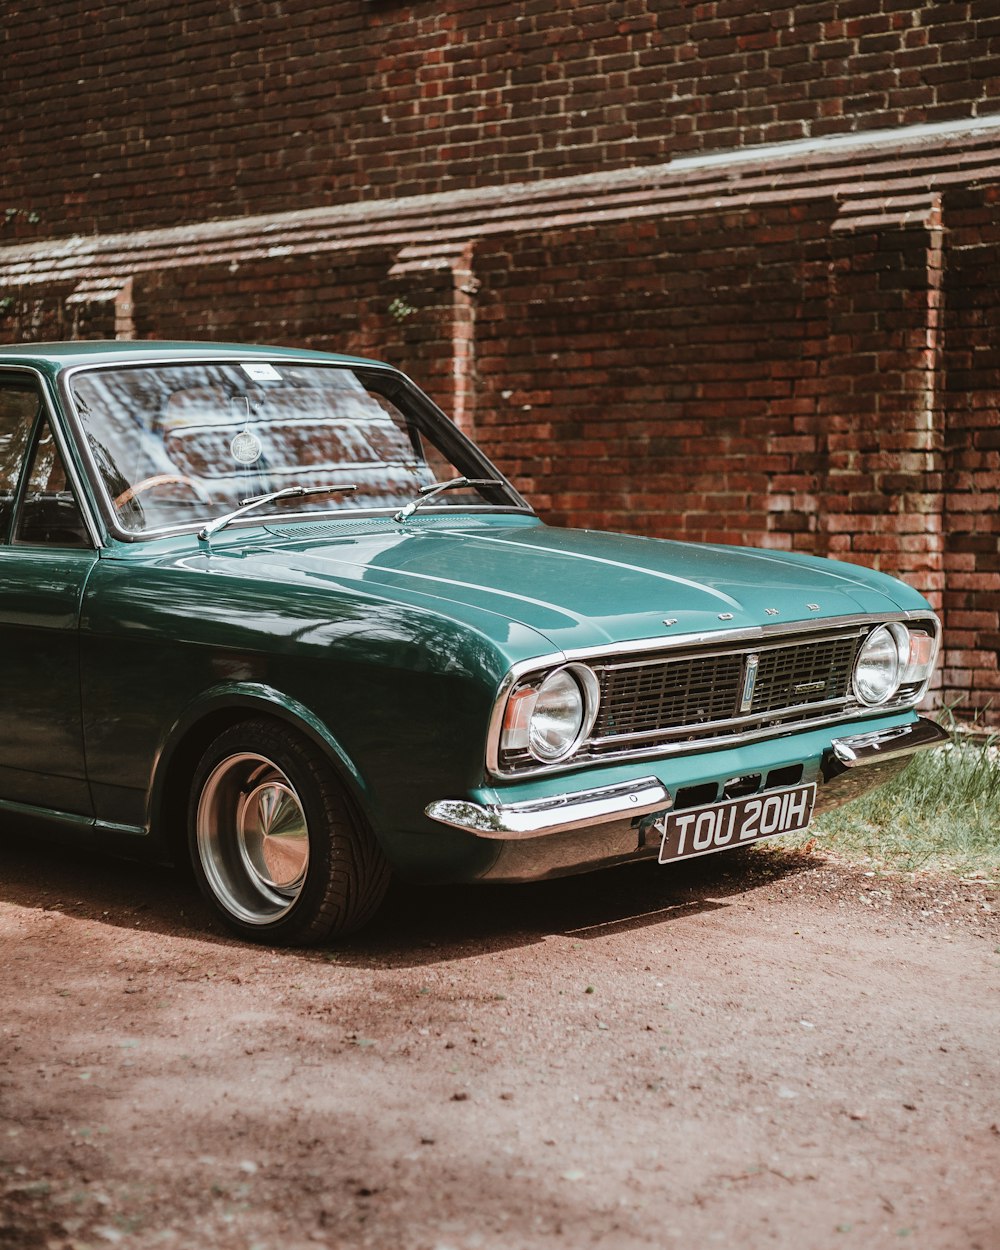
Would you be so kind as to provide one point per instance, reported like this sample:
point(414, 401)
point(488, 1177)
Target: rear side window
point(33, 480)
point(49, 514)
point(20, 405)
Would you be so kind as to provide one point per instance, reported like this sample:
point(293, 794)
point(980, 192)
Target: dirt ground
point(761, 1049)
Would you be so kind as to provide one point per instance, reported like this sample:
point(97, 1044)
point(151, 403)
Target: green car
point(268, 610)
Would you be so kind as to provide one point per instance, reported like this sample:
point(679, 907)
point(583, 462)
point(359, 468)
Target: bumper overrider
point(581, 829)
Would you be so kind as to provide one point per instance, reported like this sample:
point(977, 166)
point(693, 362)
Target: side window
point(19, 407)
point(50, 515)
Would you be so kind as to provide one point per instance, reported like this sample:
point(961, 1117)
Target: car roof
point(56, 356)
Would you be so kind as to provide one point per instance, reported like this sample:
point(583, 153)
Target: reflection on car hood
point(581, 588)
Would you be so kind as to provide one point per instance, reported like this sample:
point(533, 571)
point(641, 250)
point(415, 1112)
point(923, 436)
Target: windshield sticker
point(260, 372)
point(246, 448)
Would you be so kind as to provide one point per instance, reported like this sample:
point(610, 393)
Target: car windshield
point(179, 445)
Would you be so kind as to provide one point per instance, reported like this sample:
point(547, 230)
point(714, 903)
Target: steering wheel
point(162, 479)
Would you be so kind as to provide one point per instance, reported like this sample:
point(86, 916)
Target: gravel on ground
point(761, 1049)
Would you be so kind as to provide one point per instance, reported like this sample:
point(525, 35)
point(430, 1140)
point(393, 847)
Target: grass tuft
point(941, 813)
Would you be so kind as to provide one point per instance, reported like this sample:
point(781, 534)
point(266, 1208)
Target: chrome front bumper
point(513, 821)
point(849, 766)
point(885, 744)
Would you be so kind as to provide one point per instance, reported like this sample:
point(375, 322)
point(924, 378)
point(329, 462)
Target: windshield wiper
point(256, 501)
point(427, 493)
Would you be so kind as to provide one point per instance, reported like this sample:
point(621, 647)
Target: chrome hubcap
point(273, 836)
point(253, 838)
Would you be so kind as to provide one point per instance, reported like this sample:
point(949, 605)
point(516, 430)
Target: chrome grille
point(691, 695)
point(808, 673)
point(638, 698)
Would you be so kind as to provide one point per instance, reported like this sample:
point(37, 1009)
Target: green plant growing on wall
point(399, 309)
point(10, 215)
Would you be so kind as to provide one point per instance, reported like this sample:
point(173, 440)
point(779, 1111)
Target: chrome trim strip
point(770, 720)
point(703, 651)
point(749, 634)
point(665, 750)
point(511, 821)
point(886, 744)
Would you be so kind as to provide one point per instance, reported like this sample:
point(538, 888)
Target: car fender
point(217, 705)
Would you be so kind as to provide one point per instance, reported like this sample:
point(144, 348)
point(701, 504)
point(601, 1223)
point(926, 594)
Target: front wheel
point(278, 848)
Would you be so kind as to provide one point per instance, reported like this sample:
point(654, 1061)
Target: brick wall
point(882, 501)
point(118, 115)
point(972, 455)
point(655, 378)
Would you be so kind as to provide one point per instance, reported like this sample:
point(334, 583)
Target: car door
point(46, 555)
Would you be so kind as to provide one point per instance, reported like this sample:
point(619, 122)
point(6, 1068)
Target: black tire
point(279, 849)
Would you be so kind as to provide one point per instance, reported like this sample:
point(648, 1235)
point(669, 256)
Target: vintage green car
point(269, 610)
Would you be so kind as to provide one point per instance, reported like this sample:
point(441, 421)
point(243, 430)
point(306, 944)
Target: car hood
point(580, 588)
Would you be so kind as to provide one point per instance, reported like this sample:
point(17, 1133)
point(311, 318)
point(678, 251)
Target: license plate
point(705, 830)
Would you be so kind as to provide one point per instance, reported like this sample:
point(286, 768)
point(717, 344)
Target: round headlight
point(557, 718)
point(878, 667)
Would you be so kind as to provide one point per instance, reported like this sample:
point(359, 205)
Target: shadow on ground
point(417, 924)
